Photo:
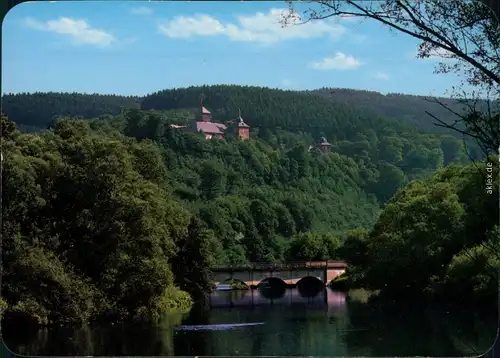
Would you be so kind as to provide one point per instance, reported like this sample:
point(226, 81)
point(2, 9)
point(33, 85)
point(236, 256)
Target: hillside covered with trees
point(412, 109)
point(35, 111)
point(32, 111)
point(113, 213)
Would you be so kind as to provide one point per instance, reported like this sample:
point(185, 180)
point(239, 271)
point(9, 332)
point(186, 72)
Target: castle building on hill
point(239, 128)
point(204, 125)
point(322, 146)
point(212, 130)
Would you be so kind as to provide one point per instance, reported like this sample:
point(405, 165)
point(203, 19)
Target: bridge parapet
point(268, 266)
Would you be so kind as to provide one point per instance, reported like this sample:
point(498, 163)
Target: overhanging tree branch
point(467, 31)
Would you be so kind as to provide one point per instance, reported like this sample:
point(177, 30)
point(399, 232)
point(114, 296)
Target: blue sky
point(135, 48)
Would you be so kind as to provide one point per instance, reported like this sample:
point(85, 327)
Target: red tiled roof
point(221, 126)
point(208, 127)
point(204, 110)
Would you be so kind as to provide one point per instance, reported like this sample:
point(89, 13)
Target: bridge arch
point(235, 281)
point(272, 281)
point(272, 287)
point(310, 286)
point(310, 279)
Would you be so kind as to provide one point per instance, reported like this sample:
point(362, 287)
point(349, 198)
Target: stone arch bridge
point(290, 273)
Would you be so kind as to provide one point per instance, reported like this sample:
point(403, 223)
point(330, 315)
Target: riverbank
point(422, 300)
point(34, 314)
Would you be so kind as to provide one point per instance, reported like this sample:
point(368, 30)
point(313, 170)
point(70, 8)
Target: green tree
point(391, 178)
point(354, 251)
point(8, 127)
point(421, 228)
point(80, 219)
point(194, 260)
point(313, 246)
point(453, 150)
point(213, 181)
point(391, 150)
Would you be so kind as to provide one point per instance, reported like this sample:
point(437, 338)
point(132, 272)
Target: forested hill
point(34, 111)
point(270, 109)
point(389, 152)
point(313, 114)
point(267, 110)
point(37, 110)
point(408, 108)
point(257, 194)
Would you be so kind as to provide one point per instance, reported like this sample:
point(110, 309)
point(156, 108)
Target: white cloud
point(141, 10)
point(382, 76)
point(184, 27)
point(260, 27)
point(340, 61)
point(79, 30)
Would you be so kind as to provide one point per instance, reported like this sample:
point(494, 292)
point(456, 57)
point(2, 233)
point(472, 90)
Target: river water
point(290, 322)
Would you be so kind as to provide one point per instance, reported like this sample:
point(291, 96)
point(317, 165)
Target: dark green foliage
point(8, 127)
point(410, 108)
point(437, 237)
point(255, 194)
point(273, 109)
point(111, 213)
point(312, 246)
point(41, 109)
point(387, 153)
point(191, 265)
point(86, 232)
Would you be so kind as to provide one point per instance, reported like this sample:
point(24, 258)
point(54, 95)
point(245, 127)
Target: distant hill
point(371, 157)
point(408, 108)
point(268, 109)
point(338, 114)
point(37, 110)
point(286, 119)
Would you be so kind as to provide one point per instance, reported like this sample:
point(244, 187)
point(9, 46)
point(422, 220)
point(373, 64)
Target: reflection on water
point(294, 322)
point(216, 327)
point(277, 294)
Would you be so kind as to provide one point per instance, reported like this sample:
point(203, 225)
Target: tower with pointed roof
point(324, 146)
point(205, 115)
point(204, 125)
point(242, 129)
